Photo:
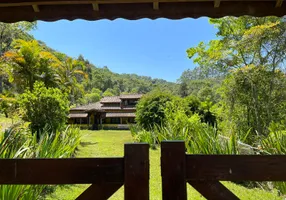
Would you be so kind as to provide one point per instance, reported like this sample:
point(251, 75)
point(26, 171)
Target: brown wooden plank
point(173, 170)
point(136, 179)
point(9, 3)
point(113, 10)
point(61, 171)
point(213, 190)
point(100, 191)
point(236, 167)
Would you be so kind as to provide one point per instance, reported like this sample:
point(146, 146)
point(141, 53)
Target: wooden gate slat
point(173, 170)
point(213, 190)
point(136, 171)
point(99, 191)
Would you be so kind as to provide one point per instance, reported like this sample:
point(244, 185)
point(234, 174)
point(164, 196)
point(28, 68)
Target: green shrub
point(17, 142)
point(44, 106)
point(150, 109)
point(275, 143)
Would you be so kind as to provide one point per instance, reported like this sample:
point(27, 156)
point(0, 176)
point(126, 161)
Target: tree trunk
point(1, 84)
point(256, 109)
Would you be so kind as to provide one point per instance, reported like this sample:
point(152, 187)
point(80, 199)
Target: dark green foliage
point(92, 97)
point(110, 83)
point(8, 105)
point(150, 109)
point(201, 108)
point(254, 97)
point(43, 107)
point(193, 104)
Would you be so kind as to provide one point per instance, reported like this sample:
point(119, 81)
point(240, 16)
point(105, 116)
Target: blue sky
point(155, 48)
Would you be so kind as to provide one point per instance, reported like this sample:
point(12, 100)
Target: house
point(114, 112)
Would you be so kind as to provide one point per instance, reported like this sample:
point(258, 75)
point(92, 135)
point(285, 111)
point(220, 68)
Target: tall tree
point(27, 62)
point(69, 72)
point(243, 41)
point(9, 32)
point(245, 95)
point(247, 41)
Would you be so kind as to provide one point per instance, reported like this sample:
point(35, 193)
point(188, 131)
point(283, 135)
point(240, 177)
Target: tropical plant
point(44, 106)
point(70, 72)
point(17, 142)
point(27, 62)
point(8, 105)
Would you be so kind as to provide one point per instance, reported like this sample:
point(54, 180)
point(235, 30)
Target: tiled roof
point(120, 115)
point(92, 106)
point(117, 99)
point(77, 115)
point(104, 103)
point(114, 99)
point(130, 96)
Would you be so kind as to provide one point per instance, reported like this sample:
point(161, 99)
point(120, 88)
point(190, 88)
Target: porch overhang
point(115, 115)
point(51, 10)
point(77, 115)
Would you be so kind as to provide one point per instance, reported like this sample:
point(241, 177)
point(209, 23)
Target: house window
point(115, 120)
point(132, 102)
point(131, 120)
point(81, 121)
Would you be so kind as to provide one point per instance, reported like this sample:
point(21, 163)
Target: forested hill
point(113, 83)
point(25, 60)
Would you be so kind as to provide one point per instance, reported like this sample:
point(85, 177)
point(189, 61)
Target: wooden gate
point(204, 172)
point(106, 175)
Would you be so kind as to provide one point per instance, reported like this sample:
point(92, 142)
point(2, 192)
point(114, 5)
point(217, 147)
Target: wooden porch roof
point(51, 10)
point(77, 115)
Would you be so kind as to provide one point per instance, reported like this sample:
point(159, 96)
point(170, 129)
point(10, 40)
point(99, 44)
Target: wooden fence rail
point(204, 172)
point(106, 175)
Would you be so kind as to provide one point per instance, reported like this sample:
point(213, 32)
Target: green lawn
point(111, 143)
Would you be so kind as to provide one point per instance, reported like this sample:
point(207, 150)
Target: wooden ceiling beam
point(81, 2)
point(216, 3)
point(156, 5)
point(95, 6)
point(278, 3)
point(134, 9)
point(36, 8)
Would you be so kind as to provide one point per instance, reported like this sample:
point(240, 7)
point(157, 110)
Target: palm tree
point(70, 72)
point(28, 62)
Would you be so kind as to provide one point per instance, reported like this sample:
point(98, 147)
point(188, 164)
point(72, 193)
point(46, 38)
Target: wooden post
point(136, 174)
point(88, 120)
point(173, 170)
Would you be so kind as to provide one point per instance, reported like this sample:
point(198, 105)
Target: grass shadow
point(84, 144)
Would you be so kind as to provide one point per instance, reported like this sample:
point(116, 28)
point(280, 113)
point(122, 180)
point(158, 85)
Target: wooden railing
point(106, 175)
point(204, 172)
